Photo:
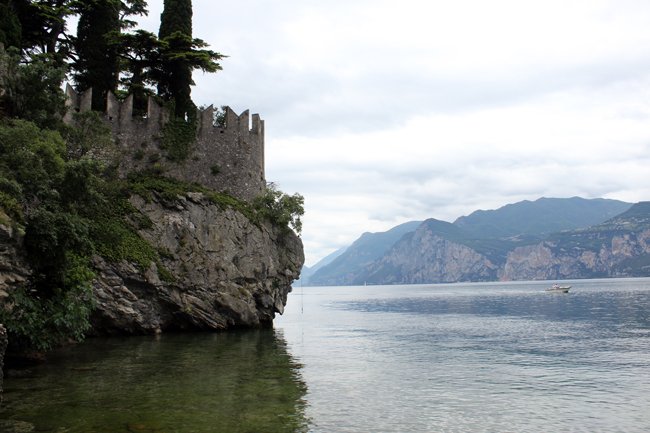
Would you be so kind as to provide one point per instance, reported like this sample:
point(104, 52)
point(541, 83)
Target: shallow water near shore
point(228, 382)
point(491, 357)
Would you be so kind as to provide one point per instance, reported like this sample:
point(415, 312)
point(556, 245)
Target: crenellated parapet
point(118, 113)
point(226, 156)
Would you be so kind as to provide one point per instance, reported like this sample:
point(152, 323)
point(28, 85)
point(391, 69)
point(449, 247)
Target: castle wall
point(227, 158)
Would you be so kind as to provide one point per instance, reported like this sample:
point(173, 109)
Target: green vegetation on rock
point(273, 205)
point(281, 209)
point(39, 197)
point(178, 136)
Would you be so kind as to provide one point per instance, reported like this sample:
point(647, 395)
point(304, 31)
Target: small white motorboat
point(558, 289)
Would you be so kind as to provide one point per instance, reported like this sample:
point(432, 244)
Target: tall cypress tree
point(97, 62)
point(175, 34)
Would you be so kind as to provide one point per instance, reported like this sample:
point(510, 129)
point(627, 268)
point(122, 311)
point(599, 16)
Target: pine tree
point(44, 26)
point(140, 58)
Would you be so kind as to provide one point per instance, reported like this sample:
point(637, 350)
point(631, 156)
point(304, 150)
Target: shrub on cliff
point(272, 205)
point(34, 173)
point(69, 206)
point(280, 208)
point(37, 321)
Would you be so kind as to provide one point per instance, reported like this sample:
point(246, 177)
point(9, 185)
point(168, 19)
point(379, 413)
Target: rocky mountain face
point(619, 247)
point(222, 271)
point(425, 256)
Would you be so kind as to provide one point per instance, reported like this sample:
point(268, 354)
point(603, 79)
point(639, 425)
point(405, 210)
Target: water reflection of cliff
point(230, 382)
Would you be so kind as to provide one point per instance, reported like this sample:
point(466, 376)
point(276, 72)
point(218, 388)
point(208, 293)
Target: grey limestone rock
point(617, 256)
point(221, 271)
point(218, 271)
point(428, 258)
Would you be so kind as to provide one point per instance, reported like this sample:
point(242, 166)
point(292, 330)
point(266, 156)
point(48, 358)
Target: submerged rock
point(218, 270)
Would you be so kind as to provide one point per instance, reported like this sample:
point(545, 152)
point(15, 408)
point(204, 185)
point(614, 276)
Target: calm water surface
point(444, 358)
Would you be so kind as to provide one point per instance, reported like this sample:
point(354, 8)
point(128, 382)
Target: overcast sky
point(381, 112)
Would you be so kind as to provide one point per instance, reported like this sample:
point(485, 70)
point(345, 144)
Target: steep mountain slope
point(619, 247)
point(435, 252)
point(307, 272)
point(542, 216)
point(365, 250)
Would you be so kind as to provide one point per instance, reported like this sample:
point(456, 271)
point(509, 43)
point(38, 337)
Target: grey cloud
point(315, 103)
point(481, 148)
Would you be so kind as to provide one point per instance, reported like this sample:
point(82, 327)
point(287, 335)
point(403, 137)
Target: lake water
point(490, 357)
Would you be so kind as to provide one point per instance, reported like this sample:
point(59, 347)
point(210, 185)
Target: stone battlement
point(226, 157)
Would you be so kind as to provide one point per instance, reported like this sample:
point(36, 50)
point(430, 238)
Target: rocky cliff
point(222, 271)
point(218, 270)
point(473, 248)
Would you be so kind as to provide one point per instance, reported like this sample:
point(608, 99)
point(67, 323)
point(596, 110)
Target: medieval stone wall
point(227, 158)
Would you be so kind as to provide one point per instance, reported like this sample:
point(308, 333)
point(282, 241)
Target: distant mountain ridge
point(307, 272)
point(500, 244)
point(365, 250)
point(539, 217)
point(619, 247)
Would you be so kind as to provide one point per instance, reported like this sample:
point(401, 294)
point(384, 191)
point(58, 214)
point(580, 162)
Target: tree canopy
point(109, 53)
point(175, 73)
